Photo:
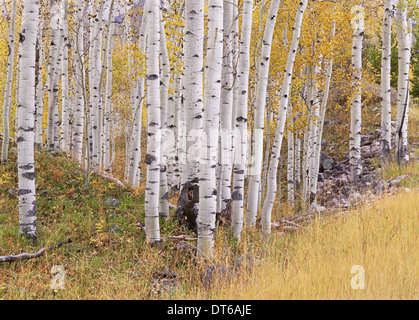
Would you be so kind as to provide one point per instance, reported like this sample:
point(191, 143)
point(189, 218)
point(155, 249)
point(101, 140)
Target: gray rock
point(115, 228)
point(12, 192)
point(354, 198)
point(111, 202)
point(326, 162)
point(333, 203)
point(381, 187)
point(392, 182)
point(315, 208)
point(214, 275)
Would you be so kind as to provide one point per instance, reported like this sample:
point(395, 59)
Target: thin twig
point(25, 255)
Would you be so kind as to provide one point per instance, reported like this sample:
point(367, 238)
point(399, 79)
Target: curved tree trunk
point(279, 133)
point(257, 158)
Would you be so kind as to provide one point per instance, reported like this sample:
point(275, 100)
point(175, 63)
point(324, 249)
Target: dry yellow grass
point(317, 264)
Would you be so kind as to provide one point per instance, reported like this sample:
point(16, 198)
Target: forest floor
point(108, 257)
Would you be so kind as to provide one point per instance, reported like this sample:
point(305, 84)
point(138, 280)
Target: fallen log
point(24, 256)
point(183, 237)
point(119, 183)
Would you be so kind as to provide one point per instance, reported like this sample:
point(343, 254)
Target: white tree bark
point(39, 102)
point(385, 82)
point(355, 129)
point(259, 122)
point(79, 77)
point(226, 114)
point(208, 184)
point(403, 29)
point(108, 101)
point(164, 99)
point(237, 196)
point(94, 78)
point(290, 166)
point(152, 159)
point(279, 133)
point(54, 72)
point(65, 107)
point(9, 83)
point(25, 114)
point(137, 100)
point(192, 84)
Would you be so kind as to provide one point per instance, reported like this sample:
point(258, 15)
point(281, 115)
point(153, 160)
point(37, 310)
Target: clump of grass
point(317, 263)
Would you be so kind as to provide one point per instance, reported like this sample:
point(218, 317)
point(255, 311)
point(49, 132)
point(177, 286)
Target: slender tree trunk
point(279, 133)
point(208, 184)
point(108, 101)
point(65, 116)
point(226, 112)
point(259, 122)
point(137, 100)
point(290, 165)
point(241, 121)
point(9, 83)
point(39, 91)
point(385, 83)
point(164, 97)
point(192, 83)
point(54, 72)
point(355, 129)
point(154, 133)
point(404, 40)
point(79, 76)
point(25, 114)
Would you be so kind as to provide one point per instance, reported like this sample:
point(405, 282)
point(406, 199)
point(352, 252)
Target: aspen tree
point(164, 96)
point(237, 196)
point(403, 27)
point(279, 133)
point(226, 112)
point(137, 109)
point(355, 128)
point(65, 115)
point(152, 158)
point(192, 84)
point(385, 89)
point(39, 102)
point(25, 115)
point(79, 79)
point(208, 184)
point(54, 72)
point(261, 92)
point(108, 101)
point(9, 82)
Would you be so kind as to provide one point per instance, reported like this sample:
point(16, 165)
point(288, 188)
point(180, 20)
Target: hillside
point(108, 257)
